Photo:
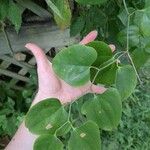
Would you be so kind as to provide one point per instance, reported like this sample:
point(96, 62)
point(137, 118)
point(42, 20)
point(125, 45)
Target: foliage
point(122, 22)
point(13, 107)
point(103, 110)
point(13, 10)
point(133, 132)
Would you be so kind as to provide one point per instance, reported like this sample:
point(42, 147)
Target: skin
point(50, 86)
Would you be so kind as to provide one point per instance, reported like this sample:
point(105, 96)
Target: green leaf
point(34, 8)
point(147, 3)
point(103, 50)
point(134, 36)
point(64, 129)
point(4, 6)
point(104, 109)
point(126, 81)
point(72, 64)
point(142, 19)
point(123, 16)
point(145, 22)
point(140, 57)
point(77, 26)
point(85, 137)
point(51, 115)
point(48, 142)
point(91, 2)
point(107, 76)
point(64, 9)
point(15, 15)
point(54, 8)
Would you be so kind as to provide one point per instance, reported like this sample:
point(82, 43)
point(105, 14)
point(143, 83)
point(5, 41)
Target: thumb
point(46, 76)
point(40, 56)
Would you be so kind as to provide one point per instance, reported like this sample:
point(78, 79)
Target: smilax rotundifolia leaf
point(104, 109)
point(85, 137)
point(73, 64)
point(48, 142)
point(126, 81)
point(46, 117)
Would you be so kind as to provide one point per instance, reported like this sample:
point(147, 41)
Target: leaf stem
point(127, 45)
point(60, 128)
point(100, 69)
point(125, 5)
point(94, 67)
point(130, 58)
point(69, 111)
point(7, 39)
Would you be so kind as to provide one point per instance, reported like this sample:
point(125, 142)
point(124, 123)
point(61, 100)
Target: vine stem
point(69, 111)
point(68, 120)
point(69, 115)
point(7, 38)
point(125, 5)
point(100, 69)
point(134, 68)
point(127, 44)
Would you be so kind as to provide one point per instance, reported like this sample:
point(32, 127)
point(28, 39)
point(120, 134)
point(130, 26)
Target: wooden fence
point(15, 70)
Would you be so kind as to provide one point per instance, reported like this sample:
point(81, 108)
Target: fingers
point(40, 56)
point(113, 47)
point(97, 89)
point(46, 76)
point(89, 38)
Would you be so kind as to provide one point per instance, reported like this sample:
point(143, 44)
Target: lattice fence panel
point(14, 71)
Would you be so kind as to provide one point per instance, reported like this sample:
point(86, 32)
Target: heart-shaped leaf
point(103, 50)
point(140, 57)
point(145, 25)
point(48, 142)
point(107, 76)
point(104, 109)
point(72, 64)
point(45, 117)
point(85, 137)
point(134, 36)
point(126, 81)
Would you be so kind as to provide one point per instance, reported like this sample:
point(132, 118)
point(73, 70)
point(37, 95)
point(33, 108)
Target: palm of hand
point(50, 86)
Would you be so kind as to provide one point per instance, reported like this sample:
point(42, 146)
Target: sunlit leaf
point(15, 15)
point(54, 8)
point(72, 64)
point(62, 12)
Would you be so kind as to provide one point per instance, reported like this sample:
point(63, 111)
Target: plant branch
point(7, 39)
point(125, 6)
point(100, 69)
point(130, 58)
point(127, 44)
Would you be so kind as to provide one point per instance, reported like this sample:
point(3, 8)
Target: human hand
point(51, 86)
